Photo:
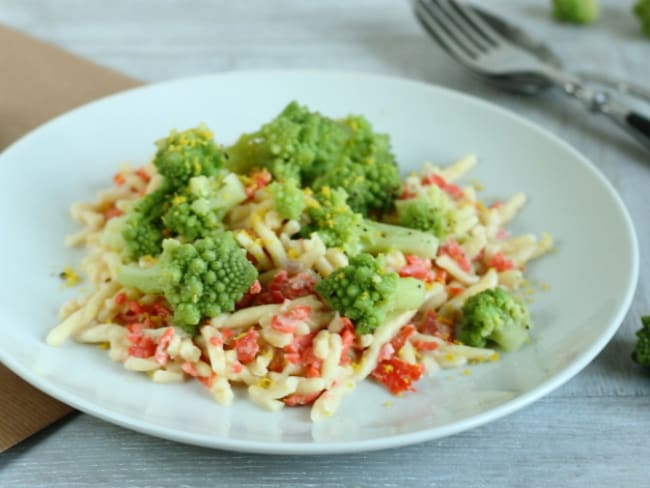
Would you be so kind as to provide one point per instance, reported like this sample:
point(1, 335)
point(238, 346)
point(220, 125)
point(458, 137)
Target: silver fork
point(479, 47)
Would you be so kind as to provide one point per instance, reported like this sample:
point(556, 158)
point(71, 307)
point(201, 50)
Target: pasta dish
point(296, 263)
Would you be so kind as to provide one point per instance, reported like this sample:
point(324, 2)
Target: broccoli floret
point(198, 280)
point(198, 210)
point(183, 155)
point(642, 11)
point(366, 169)
point(366, 293)
point(641, 352)
point(295, 144)
point(431, 211)
point(338, 225)
point(576, 11)
point(288, 198)
point(494, 316)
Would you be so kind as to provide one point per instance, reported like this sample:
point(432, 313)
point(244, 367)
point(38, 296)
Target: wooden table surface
point(593, 431)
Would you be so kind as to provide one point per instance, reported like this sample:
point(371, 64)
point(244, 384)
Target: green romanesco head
point(361, 291)
point(333, 220)
point(142, 226)
point(295, 144)
point(366, 169)
point(288, 198)
point(198, 209)
point(205, 278)
point(431, 211)
point(319, 151)
point(494, 316)
point(641, 352)
point(576, 11)
point(642, 11)
point(192, 152)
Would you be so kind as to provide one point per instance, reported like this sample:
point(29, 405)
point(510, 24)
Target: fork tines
point(457, 28)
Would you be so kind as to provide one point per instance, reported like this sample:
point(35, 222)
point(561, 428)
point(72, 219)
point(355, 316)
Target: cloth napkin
point(38, 82)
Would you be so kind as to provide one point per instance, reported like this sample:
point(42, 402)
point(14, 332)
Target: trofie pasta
point(284, 339)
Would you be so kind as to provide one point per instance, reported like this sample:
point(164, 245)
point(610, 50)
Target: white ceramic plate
point(592, 276)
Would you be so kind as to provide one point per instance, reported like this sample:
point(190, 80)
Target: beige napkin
point(38, 82)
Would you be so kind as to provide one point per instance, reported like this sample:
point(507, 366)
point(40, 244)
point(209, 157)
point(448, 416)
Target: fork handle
point(639, 123)
point(633, 122)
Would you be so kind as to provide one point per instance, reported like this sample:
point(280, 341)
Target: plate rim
point(384, 442)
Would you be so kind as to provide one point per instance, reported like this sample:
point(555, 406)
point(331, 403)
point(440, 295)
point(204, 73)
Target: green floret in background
point(201, 279)
point(494, 317)
point(576, 11)
point(641, 352)
point(368, 294)
point(642, 11)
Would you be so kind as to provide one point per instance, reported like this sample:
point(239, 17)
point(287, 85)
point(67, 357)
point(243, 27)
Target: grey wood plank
point(534, 447)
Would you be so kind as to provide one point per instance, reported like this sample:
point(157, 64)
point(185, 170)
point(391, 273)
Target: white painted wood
point(594, 431)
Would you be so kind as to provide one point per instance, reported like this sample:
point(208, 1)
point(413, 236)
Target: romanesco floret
point(641, 352)
point(182, 155)
point(329, 215)
point(339, 226)
point(319, 151)
point(201, 279)
point(576, 11)
point(494, 316)
point(141, 226)
point(642, 11)
point(288, 198)
point(431, 210)
point(292, 145)
point(198, 210)
point(366, 293)
point(366, 169)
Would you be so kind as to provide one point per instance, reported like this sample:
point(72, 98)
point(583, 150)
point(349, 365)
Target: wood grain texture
point(591, 432)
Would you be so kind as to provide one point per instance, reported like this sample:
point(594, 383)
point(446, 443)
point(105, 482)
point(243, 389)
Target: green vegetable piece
point(318, 151)
point(366, 169)
point(367, 294)
point(333, 220)
point(431, 211)
point(339, 226)
point(202, 279)
point(641, 352)
point(295, 144)
point(642, 11)
point(198, 210)
point(494, 316)
point(183, 155)
point(576, 11)
point(288, 198)
point(141, 227)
